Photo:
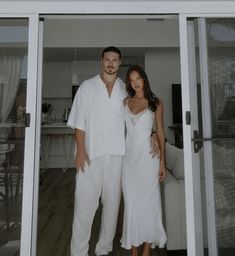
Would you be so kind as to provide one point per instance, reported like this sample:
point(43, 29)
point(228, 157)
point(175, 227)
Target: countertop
point(55, 125)
point(46, 127)
point(12, 125)
point(56, 128)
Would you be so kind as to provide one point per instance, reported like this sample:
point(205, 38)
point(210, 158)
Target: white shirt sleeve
point(77, 116)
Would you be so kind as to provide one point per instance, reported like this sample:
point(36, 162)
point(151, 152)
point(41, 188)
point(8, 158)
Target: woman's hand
point(162, 172)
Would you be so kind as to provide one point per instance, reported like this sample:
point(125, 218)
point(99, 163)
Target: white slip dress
point(142, 202)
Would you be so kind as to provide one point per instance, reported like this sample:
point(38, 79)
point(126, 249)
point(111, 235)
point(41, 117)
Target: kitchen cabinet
point(56, 80)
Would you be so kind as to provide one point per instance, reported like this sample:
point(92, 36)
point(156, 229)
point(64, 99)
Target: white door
point(18, 69)
point(208, 93)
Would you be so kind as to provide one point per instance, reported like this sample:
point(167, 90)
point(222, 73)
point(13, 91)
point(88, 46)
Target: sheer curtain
point(10, 67)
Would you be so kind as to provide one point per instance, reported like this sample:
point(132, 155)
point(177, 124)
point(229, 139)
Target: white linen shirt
point(100, 116)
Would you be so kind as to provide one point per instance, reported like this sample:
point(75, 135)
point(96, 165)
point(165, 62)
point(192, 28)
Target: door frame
point(191, 218)
point(29, 149)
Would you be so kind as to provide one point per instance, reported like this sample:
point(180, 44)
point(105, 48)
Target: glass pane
point(13, 84)
point(221, 64)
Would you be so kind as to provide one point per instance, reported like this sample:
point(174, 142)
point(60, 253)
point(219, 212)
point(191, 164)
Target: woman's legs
point(146, 249)
point(134, 251)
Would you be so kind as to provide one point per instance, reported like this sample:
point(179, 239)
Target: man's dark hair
point(112, 49)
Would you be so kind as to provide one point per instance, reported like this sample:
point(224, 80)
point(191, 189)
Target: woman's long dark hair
point(153, 101)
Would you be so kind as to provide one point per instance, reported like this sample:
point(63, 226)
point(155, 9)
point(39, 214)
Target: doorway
point(69, 57)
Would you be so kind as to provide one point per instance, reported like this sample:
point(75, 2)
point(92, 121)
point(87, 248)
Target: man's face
point(110, 63)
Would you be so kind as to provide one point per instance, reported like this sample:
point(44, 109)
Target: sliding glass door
point(208, 56)
point(219, 138)
point(18, 55)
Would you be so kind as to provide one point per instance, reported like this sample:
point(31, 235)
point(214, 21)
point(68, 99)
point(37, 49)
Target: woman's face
point(136, 81)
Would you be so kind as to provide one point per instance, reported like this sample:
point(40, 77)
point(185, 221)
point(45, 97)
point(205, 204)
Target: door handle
point(198, 141)
point(27, 119)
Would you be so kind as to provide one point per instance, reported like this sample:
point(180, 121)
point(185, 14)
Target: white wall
point(57, 77)
point(163, 69)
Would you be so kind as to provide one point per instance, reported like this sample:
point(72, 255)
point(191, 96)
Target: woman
point(141, 172)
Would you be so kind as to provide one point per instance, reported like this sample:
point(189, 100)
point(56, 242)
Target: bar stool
point(4, 181)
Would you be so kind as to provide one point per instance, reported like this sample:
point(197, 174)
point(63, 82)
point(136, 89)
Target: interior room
point(71, 54)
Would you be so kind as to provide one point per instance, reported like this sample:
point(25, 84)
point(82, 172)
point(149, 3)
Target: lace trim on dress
point(135, 117)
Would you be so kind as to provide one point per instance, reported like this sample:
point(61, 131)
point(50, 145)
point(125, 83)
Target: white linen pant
point(102, 178)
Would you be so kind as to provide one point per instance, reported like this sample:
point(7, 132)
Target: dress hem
point(153, 245)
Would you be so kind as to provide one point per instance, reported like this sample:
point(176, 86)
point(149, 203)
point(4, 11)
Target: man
point(97, 117)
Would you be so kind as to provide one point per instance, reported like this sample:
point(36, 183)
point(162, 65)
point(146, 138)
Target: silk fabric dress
point(142, 213)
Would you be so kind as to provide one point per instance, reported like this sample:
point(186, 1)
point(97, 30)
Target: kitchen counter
point(11, 125)
point(54, 125)
point(56, 128)
point(57, 145)
point(43, 126)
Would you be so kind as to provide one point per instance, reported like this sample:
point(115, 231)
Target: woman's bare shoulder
point(159, 106)
point(160, 102)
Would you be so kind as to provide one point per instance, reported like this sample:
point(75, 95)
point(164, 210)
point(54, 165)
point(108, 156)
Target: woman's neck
point(139, 95)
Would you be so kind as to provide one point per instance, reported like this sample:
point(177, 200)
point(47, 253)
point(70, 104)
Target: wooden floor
point(56, 197)
point(55, 212)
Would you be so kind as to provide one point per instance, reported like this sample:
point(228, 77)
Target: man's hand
point(155, 148)
point(81, 159)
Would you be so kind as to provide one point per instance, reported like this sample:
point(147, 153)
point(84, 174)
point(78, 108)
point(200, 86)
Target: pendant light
point(74, 70)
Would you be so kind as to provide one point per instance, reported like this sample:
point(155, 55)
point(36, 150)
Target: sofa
point(173, 194)
point(173, 199)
